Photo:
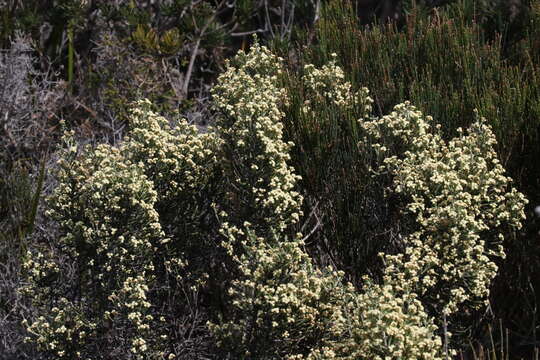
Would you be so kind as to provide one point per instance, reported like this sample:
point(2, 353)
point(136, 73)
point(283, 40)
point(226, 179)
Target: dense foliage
point(158, 201)
point(100, 288)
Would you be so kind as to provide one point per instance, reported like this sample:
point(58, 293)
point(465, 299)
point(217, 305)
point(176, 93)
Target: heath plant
point(181, 163)
point(137, 220)
point(386, 320)
point(462, 203)
point(250, 100)
point(91, 285)
point(280, 305)
point(109, 204)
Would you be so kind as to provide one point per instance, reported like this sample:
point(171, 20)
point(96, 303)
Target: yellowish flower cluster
point(389, 323)
point(328, 85)
point(176, 159)
point(281, 306)
point(248, 96)
point(382, 323)
point(105, 205)
point(386, 321)
point(131, 304)
point(460, 199)
point(62, 331)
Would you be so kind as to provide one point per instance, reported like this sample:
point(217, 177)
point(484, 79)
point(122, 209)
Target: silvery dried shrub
point(29, 102)
point(18, 191)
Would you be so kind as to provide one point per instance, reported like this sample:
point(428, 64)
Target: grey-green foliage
point(28, 101)
point(341, 195)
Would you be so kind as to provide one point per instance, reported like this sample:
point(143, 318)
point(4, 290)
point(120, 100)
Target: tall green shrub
point(448, 62)
point(441, 61)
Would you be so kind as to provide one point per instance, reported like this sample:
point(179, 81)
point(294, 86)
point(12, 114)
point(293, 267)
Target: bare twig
point(190, 66)
point(244, 33)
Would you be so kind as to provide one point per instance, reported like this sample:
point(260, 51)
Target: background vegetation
point(86, 62)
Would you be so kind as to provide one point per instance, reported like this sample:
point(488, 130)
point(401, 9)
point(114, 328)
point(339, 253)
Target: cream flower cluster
point(63, 320)
point(382, 323)
point(63, 331)
point(283, 308)
point(105, 205)
point(328, 85)
point(280, 306)
point(131, 307)
point(460, 198)
point(385, 321)
point(177, 159)
point(249, 98)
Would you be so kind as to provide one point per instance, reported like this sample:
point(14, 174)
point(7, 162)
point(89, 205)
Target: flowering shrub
point(280, 305)
point(327, 85)
point(388, 320)
point(176, 159)
point(112, 243)
point(131, 218)
point(181, 163)
point(104, 208)
point(384, 322)
point(460, 198)
point(249, 98)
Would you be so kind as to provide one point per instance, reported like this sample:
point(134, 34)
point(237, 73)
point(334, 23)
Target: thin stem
point(190, 67)
point(70, 56)
point(445, 329)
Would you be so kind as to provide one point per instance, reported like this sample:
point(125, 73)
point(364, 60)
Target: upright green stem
point(30, 220)
point(70, 56)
